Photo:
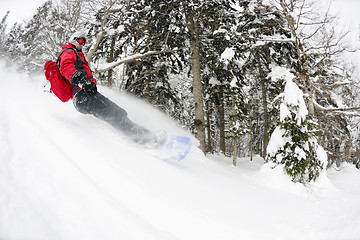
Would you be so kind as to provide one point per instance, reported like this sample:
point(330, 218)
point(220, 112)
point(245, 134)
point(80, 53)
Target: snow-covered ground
point(64, 175)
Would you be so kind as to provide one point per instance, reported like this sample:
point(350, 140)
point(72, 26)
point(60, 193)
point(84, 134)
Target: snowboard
point(175, 148)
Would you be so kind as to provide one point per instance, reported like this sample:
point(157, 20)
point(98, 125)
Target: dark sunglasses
point(81, 41)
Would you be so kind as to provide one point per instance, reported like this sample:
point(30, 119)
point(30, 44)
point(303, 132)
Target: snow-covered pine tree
point(154, 27)
point(262, 38)
point(320, 42)
point(124, 29)
point(41, 38)
point(294, 144)
point(3, 25)
point(11, 41)
point(161, 79)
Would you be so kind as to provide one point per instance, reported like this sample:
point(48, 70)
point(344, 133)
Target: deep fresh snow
point(64, 175)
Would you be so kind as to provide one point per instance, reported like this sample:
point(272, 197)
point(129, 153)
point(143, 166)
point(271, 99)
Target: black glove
point(78, 78)
point(89, 87)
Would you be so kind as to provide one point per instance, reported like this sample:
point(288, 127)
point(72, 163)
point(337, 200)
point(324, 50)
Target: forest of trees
point(208, 64)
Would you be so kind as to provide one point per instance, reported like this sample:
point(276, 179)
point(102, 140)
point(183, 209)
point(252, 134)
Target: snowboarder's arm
point(67, 64)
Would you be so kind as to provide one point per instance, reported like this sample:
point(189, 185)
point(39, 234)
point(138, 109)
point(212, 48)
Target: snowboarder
point(87, 100)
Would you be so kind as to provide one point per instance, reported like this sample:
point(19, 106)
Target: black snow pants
point(102, 108)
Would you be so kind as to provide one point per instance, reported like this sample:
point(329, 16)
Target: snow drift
point(64, 175)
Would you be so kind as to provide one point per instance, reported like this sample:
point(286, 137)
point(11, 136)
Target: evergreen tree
point(319, 43)
point(12, 40)
point(293, 143)
point(262, 40)
point(42, 37)
point(127, 29)
point(3, 25)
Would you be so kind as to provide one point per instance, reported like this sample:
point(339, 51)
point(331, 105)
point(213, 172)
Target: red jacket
point(71, 62)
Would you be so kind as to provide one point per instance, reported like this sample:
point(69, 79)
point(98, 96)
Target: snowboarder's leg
point(101, 107)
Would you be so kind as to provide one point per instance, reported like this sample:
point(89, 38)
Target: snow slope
point(64, 175)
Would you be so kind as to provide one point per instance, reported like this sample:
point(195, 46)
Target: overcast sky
point(348, 9)
point(23, 9)
point(19, 9)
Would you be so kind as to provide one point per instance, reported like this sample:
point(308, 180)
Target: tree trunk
point(193, 28)
point(251, 133)
point(208, 127)
point(123, 70)
point(308, 89)
point(221, 120)
point(266, 117)
point(235, 137)
point(111, 58)
point(264, 103)
point(234, 152)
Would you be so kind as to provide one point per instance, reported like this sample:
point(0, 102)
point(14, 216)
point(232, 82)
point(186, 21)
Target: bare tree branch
point(345, 111)
point(135, 57)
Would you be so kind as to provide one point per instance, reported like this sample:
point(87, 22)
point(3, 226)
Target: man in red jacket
point(73, 65)
point(74, 68)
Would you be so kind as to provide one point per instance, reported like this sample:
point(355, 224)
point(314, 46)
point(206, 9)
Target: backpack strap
point(58, 60)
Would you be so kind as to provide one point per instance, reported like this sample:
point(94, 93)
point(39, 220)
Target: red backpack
point(59, 85)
